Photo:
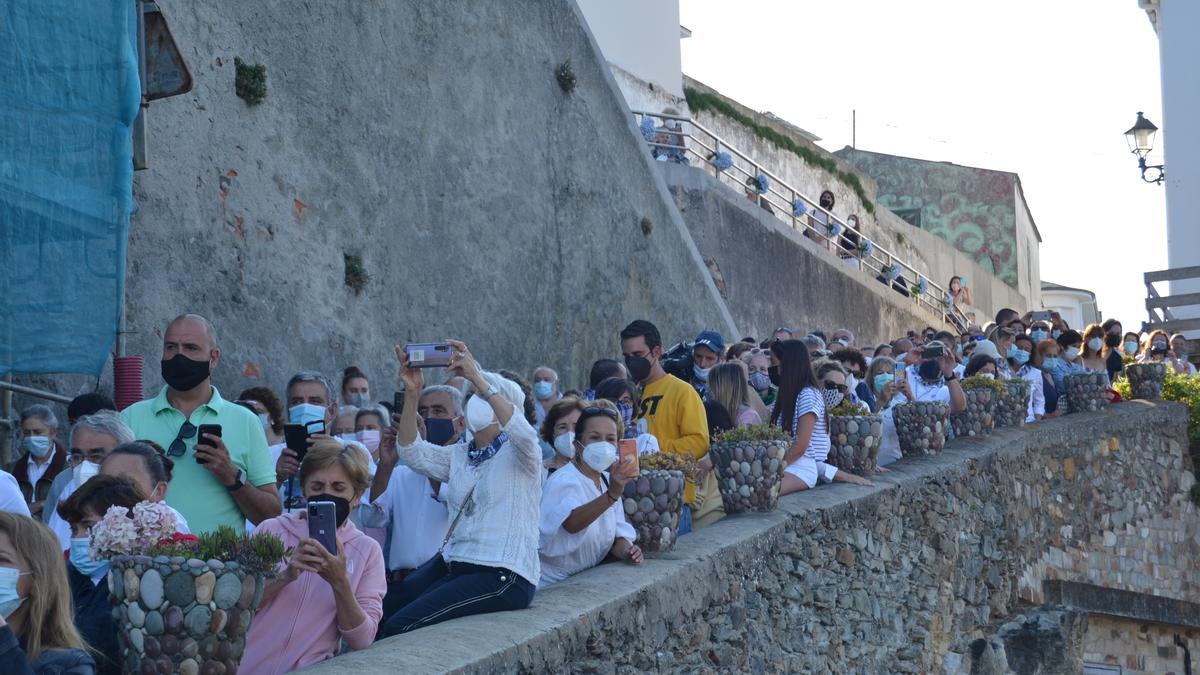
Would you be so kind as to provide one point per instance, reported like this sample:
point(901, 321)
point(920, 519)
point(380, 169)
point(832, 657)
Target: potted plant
point(183, 603)
point(979, 417)
point(1146, 380)
point(1013, 405)
point(749, 465)
point(654, 500)
point(1086, 391)
point(854, 436)
point(921, 427)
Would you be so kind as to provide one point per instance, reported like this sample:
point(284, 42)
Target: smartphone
point(934, 352)
point(899, 369)
point(214, 429)
point(322, 524)
point(627, 447)
point(428, 354)
point(295, 437)
point(398, 404)
point(1042, 315)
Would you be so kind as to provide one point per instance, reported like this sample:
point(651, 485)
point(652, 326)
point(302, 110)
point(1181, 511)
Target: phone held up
point(1042, 315)
point(322, 524)
point(295, 436)
point(428, 354)
point(211, 429)
point(627, 448)
point(934, 352)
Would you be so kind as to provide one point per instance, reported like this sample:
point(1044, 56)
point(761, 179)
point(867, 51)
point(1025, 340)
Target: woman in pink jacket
point(319, 598)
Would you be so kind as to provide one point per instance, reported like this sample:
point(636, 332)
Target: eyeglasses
point(601, 411)
point(177, 447)
point(76, 456)
point(834, 385)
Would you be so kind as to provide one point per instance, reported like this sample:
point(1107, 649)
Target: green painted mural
point(974, 209)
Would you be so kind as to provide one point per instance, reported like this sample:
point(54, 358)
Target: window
point(910, 216)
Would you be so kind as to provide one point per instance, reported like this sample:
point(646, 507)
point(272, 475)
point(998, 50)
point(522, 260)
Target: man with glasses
point(218, 480)
point(92, 438)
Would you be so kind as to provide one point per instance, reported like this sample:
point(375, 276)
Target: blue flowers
point(722, 161)
point(866, 248)
point(921, 287)
point(834, 227)
point(798, 208)
point(761, 184)
point(648, 130)
point(890, 272)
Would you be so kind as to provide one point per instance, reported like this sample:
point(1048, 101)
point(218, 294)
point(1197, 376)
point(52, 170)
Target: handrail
point(1158, 307)
point(783, 199)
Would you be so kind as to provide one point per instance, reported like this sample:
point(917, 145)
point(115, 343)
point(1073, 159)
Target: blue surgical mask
point(1056, 333)
point(1131, 347)
point(882, 380)
point(9, 599)
point(1038, 335)
point(1019, 356)
point(1051, 363)
point(760, 381)
point(543, 390)
point(701, 373)
point(38, 446)
point(266, 421)
point(82, 560)
point(305, 413)
point(360, 400)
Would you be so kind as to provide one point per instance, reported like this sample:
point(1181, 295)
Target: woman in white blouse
point(492, 483)
point(582, 517)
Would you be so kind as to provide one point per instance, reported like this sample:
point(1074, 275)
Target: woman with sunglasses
point(493, 486)
point(582, 513)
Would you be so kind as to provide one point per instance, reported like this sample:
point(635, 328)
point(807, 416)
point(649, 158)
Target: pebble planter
point(980, 416)
point(1086, 391)
point(653, 502)
point(1013, 406)
point(854, 443)
point(921, 427)
point(749, 474)
point(176, 615)
point(1146, 380)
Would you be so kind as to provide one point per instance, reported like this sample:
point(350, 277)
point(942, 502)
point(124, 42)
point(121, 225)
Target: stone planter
point(749, 474)
point(1146, 380)
point(1086, 391)
point(921, 427)
point(980, 416)
point(854, 443)
point(1013, 405)
point(653, 503)
point(176, 615)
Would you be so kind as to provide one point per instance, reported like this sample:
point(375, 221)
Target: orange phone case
point(627, 447)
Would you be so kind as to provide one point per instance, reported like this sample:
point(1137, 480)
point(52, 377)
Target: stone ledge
point(1120, 603)
point(566, 617)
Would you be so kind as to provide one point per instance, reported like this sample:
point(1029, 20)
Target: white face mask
point(1131, 347)
point(360, 400)
point(266, 421)
point(1071, 353)
point(599, 455)
point(83, 471)
point(479, 414)
point(1095, 344)
point(564, 444)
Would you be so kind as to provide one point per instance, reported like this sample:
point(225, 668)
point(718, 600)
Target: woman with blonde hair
point(727, 387)
point(37, 625)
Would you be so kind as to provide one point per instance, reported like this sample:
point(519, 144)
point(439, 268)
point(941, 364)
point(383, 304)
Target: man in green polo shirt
point(217, 480)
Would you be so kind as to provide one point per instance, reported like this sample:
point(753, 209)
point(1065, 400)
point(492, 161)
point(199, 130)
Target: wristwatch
point(487, 395)
point(951, 377)
point(238, 481)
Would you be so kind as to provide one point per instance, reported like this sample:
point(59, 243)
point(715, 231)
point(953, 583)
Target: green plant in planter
point(258, 553)
point(848, 409)
point(754, 433)
point(981, 382)
point(1178, 388)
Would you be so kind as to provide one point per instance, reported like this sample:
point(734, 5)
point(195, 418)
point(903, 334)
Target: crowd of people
point(465, 495)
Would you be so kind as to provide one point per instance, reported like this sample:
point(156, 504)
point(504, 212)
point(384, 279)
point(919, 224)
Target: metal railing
point(682, 140)
point(1156, 303)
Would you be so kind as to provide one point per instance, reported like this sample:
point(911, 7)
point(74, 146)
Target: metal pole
point(7, 386)
point(5, 416)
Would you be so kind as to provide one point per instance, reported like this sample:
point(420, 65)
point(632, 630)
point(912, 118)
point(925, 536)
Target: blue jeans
point(685, 520)
point(438, 591)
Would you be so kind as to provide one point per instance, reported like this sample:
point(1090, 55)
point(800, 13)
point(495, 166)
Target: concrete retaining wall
point(896, 578)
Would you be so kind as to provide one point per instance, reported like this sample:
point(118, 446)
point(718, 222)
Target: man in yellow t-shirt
point(674, 415)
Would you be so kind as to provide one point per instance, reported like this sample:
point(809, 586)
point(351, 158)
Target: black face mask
point(341, 505)
point(183, 374)
point(639, 368)
point(439, 431)
point(773, 374)
point(1112, 340)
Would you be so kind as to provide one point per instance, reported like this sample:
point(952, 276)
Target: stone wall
point(902, 577)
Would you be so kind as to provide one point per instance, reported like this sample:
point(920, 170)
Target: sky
point(1042, 88)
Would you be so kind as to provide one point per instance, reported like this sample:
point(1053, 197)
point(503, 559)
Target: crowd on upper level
point(471, 488)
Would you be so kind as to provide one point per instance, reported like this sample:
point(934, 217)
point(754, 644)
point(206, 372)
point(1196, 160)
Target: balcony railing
point(683, 140)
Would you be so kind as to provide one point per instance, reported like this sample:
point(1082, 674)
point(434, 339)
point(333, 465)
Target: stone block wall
point(902, 577)
point(1138, 647)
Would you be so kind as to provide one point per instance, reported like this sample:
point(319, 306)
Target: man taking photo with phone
point(218, 480)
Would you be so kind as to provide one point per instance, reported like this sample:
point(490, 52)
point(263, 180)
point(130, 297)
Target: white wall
point(1029, 270)
point(1078, 309)
point(639, 36)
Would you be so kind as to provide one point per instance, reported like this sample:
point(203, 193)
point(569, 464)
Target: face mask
point(1051, 363)
point(9, 600)
point(988, 376)
point(760, 381)
point(1111, 341)
point(1158, 347)
point(599, 455)
point(1019, 356)
point(851, 383)
point(83, 471)
point(38, 446)
point(626, 410)
point(929, 371)
point(543, 390)
point(183, 374)
point(346, 438)
point(341, 505)
point(639, 368)
point(266, 421)
point(369, 438)
point(882, 380)
point(1095, 344)
point(1131, 347)
point(1071, 353)
point(83, 562)
point(564, 444)
point(479, 414)
point(1056, 333)
point(701, 373)
point(773, 375)
point(833, 398)
point(360, 400)
point(439, 431)
point(305, 413)
point(1038, 335)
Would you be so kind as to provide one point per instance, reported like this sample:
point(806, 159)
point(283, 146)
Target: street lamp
point(1141, 141)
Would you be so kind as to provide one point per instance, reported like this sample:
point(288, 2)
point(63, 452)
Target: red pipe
point(127, 380)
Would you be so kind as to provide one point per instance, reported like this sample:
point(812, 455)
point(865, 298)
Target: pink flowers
point(120, 533)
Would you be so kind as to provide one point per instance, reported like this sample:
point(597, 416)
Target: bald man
point(218, 480)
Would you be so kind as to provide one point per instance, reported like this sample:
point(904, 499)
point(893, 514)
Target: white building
point(640, 41)
point(1077, 306)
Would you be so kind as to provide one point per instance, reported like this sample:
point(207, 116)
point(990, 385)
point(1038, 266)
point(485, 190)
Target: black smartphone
point(934, 352)
point(398, 403)
point(322, 524)
point(295, 437)
point(213, 429)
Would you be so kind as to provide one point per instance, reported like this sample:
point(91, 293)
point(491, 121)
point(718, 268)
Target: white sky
point(1043, 88)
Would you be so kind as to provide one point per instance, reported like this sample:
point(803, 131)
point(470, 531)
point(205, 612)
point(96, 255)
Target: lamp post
point(1141, 141)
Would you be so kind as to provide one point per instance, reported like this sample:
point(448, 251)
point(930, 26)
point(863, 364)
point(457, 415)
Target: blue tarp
point(69, 94)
